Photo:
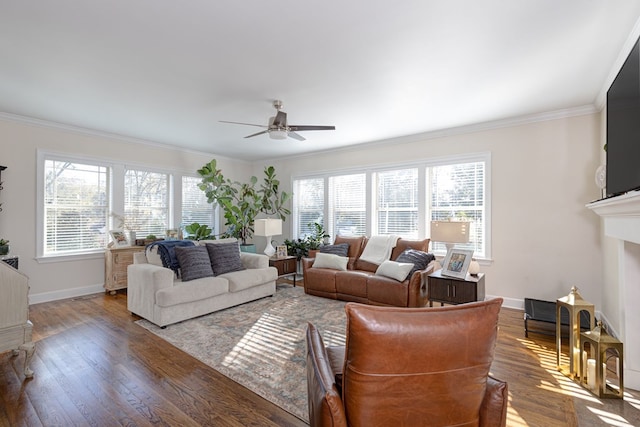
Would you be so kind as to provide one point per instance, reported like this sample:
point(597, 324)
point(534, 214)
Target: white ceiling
point(168, 71)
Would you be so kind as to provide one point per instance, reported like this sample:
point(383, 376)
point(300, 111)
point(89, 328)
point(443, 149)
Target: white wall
point(544, 239)
point(19, 143)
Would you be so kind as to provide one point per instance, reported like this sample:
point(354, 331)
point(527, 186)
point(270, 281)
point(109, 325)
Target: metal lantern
point(596, 370)
point(574, 303)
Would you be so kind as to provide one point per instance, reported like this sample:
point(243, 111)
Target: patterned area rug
point(261, 344)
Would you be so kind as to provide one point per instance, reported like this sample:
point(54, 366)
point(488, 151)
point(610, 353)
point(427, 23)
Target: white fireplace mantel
point(621, 216)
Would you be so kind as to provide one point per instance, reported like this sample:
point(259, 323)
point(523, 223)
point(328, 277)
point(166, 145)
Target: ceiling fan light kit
point(278, 127)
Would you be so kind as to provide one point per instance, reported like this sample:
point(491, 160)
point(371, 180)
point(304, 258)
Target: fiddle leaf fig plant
point(243, 202)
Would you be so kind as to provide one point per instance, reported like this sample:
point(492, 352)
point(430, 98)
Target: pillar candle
point(591, 373)
point(604, 377)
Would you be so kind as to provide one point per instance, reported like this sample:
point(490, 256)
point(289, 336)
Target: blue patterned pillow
point(341, 249)
point(224, 257)
point(419, 259)
point(194, 262)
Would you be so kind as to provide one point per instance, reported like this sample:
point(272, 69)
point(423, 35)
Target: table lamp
point(450, 232)
point(268, 228)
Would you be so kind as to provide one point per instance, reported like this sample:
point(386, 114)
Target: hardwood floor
point(94, 366)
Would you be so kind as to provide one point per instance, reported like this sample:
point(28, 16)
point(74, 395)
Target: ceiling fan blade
point(240, 123)
point(296, 136)
point(280, 120)
point(256, 134)
point(310, 127)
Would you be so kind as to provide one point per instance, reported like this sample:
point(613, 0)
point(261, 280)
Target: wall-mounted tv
point(623, 127)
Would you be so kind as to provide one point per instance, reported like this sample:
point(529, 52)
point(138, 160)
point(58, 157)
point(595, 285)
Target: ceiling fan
point(278, 127)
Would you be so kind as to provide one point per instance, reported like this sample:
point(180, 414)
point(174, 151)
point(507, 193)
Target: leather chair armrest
point(418, 286)
point(493, 412)
point(325, 404)
point(306, 263)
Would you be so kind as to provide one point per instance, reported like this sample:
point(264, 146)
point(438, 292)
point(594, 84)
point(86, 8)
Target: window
point(401, 200)
point(347, 205)
point(146, 202)
point(396, 203)
point(457, 192)
point(75, 207)
point(195, 207)
point(308, 205)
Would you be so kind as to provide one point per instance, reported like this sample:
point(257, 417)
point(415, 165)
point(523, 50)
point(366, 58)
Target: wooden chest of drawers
point(116, 262)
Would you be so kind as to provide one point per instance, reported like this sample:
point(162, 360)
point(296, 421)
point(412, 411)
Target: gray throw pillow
point(419, 259)
point(194, 262)
point(224, 257)
point(341, 249)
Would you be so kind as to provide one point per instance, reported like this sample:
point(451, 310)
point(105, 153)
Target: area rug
point(261, 344)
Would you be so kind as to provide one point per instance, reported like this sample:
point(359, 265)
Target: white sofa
point(155, 294)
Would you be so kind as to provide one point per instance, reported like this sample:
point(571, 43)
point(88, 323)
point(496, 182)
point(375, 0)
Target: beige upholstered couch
point(155, 293)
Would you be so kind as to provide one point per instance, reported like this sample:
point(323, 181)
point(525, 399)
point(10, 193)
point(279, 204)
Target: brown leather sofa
point(408, 367)
point(360, 284)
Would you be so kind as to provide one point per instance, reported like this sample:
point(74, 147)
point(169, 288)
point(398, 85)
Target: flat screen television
point(623, 128)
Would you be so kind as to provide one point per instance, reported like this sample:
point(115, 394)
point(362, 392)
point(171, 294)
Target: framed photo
point(172, 234)
point(281, 251)
point(119, 238)
point(456, 263)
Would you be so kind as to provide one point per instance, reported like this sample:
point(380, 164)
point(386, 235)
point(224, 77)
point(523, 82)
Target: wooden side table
point(287, 266)
point(116, 261)
point(450, 290)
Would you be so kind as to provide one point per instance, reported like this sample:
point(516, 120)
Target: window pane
point(457, 192)
point(397, 203)
point(194, 204)
point(75, 207)
point(347, 205)
point(308, 205)
point(146, 202)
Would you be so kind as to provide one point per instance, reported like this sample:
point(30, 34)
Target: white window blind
point(396, 204)
point(458, 192)
point(75, 207)
point(347, 205)
point(194, 204)
point(146, 202)
point(308, 205)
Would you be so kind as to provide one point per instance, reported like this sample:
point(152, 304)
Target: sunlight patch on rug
point(261, 344)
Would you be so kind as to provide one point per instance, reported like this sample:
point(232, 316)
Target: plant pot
point(248, 247)
point(4, 250)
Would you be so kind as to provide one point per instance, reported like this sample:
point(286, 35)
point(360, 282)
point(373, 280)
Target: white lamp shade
point(268, 227)
point(450, 231)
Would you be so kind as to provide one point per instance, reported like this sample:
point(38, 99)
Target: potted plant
point(197, 231)
point(4, 247)
point(242, 202)
point(317, 238)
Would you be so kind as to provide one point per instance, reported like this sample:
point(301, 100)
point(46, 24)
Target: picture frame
point(456, 263)
point(119, 238)
point(172, 234)
point(281, 251)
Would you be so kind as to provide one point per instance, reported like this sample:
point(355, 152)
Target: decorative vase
point(474, 267)
point(4, 250)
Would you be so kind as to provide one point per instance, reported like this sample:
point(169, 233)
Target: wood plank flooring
point(94, 366)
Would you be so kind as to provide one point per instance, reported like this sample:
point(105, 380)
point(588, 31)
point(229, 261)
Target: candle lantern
point(574, 303)
point(599, 343)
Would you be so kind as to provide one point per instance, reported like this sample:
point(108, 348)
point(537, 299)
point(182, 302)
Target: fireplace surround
point(621, 221)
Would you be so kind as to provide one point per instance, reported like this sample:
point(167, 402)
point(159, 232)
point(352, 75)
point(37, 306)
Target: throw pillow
point(194, 262)
point(341, 249)
point(225, 257)
point(419, 259)
point(334, 262)
point(394, 270)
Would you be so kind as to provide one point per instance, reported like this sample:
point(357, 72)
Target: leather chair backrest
point(407, 365)
point(403, 244)
point(356, 244)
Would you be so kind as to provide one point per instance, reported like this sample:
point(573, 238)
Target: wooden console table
point(287, 266)
point(116, 262)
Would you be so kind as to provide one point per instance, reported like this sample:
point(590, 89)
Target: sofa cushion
point(195, 290)
point(394, 270)
point(320, 279)
point(403, 244)
point(225, 257)
point(341, 249)
point(194, 262)
point(352, 282)
point(248, 278)
point(419, 259)
point(356, 244)
point(333, 262)
point(385, 291)
point(166, 251)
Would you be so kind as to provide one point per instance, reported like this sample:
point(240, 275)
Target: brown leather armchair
point(408, 367)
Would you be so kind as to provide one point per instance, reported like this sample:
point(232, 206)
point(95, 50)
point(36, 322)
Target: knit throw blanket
point(166, 250)
point(379, 248)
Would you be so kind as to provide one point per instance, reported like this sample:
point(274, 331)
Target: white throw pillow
point(394, 270)
point(334, 262)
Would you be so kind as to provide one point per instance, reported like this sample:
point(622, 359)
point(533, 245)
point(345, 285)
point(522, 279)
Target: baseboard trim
point(64, 294)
